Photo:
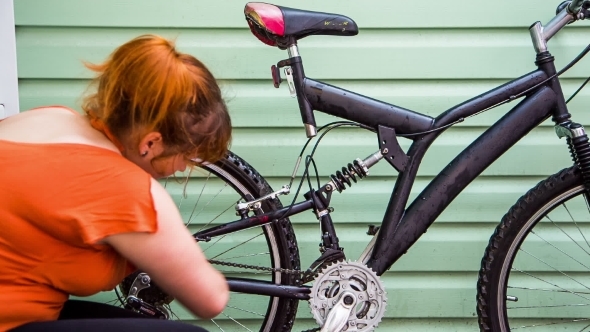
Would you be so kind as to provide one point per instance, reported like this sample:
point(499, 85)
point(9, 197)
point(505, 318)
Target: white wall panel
point(8, 76)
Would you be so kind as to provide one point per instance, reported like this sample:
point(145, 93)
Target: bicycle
point(348, 295)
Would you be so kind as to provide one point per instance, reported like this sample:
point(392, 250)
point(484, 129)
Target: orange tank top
point(57, 201)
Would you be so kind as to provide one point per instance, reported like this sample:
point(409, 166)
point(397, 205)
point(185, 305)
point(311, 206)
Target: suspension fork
point(577, 140)
point(576, 137)
point(579, 147)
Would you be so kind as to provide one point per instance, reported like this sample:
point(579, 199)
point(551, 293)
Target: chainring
point(355, 278)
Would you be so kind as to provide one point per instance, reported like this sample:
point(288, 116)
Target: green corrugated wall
point(426, 56)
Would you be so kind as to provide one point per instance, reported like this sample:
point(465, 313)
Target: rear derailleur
point(142, 282)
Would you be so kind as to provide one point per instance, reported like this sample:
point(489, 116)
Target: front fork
point(579, 147)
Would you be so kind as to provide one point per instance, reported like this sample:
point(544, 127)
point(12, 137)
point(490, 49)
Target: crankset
point(347, 296)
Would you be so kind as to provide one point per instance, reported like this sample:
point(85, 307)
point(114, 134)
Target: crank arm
point(339, 314)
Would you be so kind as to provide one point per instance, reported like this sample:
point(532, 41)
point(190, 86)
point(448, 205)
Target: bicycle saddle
point(281, 26)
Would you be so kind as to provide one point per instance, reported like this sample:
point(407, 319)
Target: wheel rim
point(547, 268)
point(204, 200)
point(274, 260)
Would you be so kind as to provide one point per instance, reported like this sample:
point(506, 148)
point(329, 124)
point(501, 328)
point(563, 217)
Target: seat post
point(293, 50)
point(298, 80)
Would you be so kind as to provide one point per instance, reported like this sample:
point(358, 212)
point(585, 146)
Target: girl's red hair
point(146, 85)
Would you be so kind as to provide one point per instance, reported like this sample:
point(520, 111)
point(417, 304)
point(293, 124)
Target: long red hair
point(146, 85)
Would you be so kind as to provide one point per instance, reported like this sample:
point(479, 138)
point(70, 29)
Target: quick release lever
point(276, 72)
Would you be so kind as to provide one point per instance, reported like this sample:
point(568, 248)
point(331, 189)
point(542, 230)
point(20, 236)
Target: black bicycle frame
point(402, 227)
point(400, 233)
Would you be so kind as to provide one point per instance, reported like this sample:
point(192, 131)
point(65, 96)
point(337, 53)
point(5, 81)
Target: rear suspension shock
point(358, 168)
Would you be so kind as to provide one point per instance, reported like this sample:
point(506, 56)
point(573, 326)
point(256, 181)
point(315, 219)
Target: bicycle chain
point(259, 268)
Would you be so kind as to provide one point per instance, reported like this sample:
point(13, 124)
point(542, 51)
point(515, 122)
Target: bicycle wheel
point(207, 198)
point(535, 272)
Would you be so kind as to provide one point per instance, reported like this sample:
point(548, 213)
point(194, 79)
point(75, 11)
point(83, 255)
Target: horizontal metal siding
point(254, 103)
point(409, 55)
point(375, 53)
point(205, 14)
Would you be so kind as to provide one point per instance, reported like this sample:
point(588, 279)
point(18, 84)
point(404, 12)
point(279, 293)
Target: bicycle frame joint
point(391, 149)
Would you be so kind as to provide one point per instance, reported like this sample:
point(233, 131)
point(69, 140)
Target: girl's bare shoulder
point(52, 124)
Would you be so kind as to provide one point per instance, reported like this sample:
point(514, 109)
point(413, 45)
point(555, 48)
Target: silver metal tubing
point(541, 34)
point(310, 130)
point(578, 132)
point(539, 42)
point(373, 159)
point(558, 22)
point(293, 51)
point(566, 130)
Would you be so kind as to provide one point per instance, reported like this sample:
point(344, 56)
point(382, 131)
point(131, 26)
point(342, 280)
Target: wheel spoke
point(217, 216)
point(563, 252)
point(551, 306)
point(545, 281)
point(547, 290)
point(238, 245)
point(217, 240)
point(214, 243)
point(575, 223)
point(244, 310)
point(561, 272)
point(209, 202)
point(219, 327)
point(235, 321)
point(566, 234)
point(190, 218)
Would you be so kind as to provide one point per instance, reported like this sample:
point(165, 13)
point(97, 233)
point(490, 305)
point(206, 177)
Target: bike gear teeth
point(352, 277)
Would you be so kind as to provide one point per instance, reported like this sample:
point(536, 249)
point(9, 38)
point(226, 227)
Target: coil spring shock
point(354, 169)
point(580, 152)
